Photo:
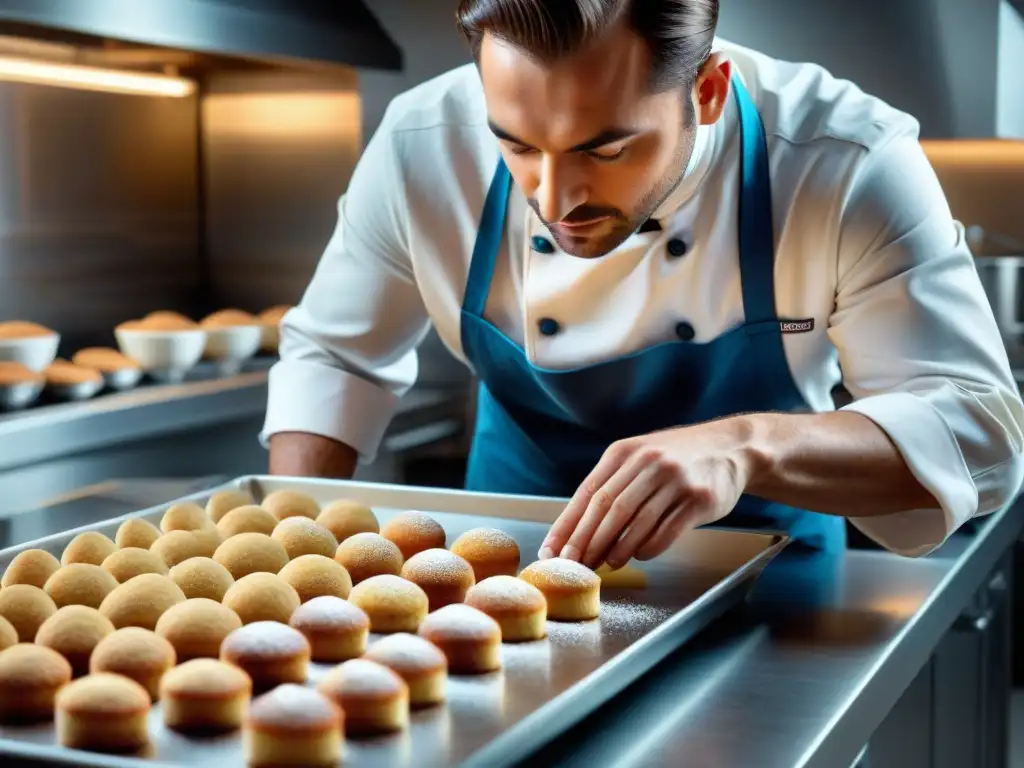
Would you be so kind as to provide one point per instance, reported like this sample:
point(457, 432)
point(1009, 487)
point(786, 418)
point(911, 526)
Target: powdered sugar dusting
point(419, 523)
point(293, 706)
point(329, 613)
point(459, 622)
point(362, 677)
point(264, 638)
point(406, 653)
point(505, 593)
point(561, 574)
point(365, 549)
point(437, 566)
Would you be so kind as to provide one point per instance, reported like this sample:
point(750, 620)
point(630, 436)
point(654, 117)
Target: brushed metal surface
point(98, 208)
point(277, 152)
point(544, 686)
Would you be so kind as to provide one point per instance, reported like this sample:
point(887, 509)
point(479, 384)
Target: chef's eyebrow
point(607, 136)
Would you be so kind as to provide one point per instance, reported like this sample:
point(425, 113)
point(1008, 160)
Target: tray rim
point(532, 731)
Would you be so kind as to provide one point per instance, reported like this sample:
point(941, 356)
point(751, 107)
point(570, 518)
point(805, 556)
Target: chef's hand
point(648, 490)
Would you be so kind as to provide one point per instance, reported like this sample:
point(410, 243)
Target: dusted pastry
point(491, 552)
point(205, 696)
point(316, 576)
point(519, 607)
point(369, 554)
point(336, 629)
point(80, 584)
point(32, 567)
point(74, 631)
point(392, 603)
point(30, 677)
point(443, 575)
point(374, 698)
point(417, 661)
point(414, 532)
point(90, 547)
point(470, 639)
point(271, 653)
point(293, 725)
point(137, 653)
point(202, 577)
point(572, 591)
point(262, 597)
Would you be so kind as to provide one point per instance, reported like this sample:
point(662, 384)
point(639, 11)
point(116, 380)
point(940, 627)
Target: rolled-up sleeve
point(920, 351)
point(348, 350)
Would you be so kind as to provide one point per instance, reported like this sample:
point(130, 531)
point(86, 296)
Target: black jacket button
point(548, 326)
point(676, 247)
point(685, 331)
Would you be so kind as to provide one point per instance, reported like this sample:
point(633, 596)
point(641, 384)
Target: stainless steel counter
point(802, 677)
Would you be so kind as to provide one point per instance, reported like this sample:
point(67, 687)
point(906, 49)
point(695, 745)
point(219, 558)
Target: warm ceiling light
point(93, 78)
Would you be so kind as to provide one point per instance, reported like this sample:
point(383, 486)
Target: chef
point(659, 253)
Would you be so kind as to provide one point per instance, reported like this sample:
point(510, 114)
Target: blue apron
point(540, 432)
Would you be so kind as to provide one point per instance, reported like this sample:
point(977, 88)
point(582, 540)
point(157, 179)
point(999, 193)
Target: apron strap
point(488, 242)
point(756, 230)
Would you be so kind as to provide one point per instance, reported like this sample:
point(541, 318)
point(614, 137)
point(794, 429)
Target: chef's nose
point(559, 189)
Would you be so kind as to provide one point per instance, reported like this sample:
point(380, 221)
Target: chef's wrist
point(753, 450)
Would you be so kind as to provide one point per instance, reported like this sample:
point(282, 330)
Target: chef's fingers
point(671, 527)
point(623, 511)
point(601, 504)
point(644, 523)
point(566, 522)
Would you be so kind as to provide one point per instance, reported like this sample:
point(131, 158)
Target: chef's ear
point(711, 88)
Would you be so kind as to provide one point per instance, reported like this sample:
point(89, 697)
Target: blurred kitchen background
point(213, 185)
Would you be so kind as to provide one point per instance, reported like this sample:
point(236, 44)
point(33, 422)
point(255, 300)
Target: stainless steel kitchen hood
point(278, 31)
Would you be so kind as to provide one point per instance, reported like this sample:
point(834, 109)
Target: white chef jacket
point(866, 247)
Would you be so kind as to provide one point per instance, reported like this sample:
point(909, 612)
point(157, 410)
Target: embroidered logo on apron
point(797, 326)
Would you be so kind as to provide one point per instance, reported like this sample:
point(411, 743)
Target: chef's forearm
point(839, 463)
point(299, 454)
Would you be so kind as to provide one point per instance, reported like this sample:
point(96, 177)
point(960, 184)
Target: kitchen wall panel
point(98, 208)
point(278, 150)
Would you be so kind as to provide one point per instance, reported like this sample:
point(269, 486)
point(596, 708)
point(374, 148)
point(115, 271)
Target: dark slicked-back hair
point(678, 33)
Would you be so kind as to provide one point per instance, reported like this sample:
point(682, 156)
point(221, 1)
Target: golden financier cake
point(336, 629)
point(262, 597)
point(284, 504)
point(346, 518)
point(374, 698)
point(178, 546)
point(130, 562)
point(74, 631)
point(23, 329)
point(222, 502)
point(103, 359)
point(246, 519)
point(103, 713)
point(249, 553)
point(186, 516)
point(271, 653)
point(205, 696)
point(519, 607)
point(30, 677)
point(392, 603)
point(316, 576)
point(136, 533)
point(197, 628)
point(491, 552)
point(301, 536)
point(90, 547)
point(419, 662)
point(414, 532)
point(293, 725)
point(137, 653)
point(26, 608)
point(140, 602)
point(443, 575)
point(32, 567)
point(572, 591)
point(469, 638)
point(9, 635)
point(202, 577)
point(80, 584)
point(369, 554)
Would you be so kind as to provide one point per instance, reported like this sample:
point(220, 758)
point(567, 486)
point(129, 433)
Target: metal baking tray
point(544, 688)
